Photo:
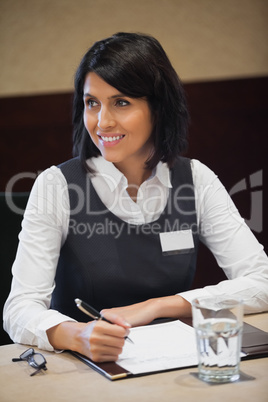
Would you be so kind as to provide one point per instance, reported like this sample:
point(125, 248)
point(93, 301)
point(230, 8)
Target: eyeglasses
point(34, 359)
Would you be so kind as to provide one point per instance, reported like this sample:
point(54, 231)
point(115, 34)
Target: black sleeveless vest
point(109, 263)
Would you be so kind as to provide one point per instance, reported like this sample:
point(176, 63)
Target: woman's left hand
point(145, 312)
point(135, 314)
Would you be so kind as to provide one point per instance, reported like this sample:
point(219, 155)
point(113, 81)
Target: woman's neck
point(135, 176)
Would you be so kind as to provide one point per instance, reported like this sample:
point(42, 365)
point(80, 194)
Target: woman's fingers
point(103, 341)
point(105, 352)
point(108, 334)
point(115, 318)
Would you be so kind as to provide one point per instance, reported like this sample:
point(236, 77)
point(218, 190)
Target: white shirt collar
point(110, 174)
point(163, 174)
point(113, 176)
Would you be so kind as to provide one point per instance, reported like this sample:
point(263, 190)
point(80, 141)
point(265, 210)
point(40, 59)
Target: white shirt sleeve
point(234, 246)
point(44, 229)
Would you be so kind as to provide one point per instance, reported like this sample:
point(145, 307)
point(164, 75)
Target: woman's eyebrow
point(118, 95)
point(87, 95)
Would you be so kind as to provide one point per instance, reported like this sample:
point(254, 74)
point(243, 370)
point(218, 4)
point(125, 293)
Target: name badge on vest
point(178, 242)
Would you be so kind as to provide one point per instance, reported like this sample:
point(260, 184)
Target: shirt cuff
point(190, 295)
point(49, 322)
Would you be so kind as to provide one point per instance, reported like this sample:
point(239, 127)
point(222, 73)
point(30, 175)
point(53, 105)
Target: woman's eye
point(92, 103)
point(122, 102)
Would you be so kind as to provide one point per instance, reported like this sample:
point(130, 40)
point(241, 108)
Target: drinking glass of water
point(218, 326)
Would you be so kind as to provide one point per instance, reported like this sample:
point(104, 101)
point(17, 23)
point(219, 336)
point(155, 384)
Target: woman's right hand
point(98, 340)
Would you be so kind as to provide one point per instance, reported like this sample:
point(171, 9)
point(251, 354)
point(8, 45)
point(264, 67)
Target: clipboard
point(254, 345)
point(254, 342)
point(110, 370)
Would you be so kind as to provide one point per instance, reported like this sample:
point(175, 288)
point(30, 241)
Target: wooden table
point(68, 379)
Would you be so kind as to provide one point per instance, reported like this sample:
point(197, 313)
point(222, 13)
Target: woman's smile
point(110, 140)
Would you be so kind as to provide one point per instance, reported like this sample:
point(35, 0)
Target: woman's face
point(120, 126)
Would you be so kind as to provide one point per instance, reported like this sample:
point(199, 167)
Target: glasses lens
point(38, 359)
point(25, 355)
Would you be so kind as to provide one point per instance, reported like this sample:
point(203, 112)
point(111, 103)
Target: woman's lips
point(110, 140)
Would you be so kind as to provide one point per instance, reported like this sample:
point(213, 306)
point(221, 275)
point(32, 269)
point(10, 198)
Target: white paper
point(159, 347)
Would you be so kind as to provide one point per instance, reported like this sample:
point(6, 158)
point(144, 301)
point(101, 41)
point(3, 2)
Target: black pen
point(93, 313)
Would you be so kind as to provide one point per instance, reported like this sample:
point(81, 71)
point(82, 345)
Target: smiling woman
point(119, 224)
point(139, 71)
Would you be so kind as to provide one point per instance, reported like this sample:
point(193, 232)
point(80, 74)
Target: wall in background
point(42, 41)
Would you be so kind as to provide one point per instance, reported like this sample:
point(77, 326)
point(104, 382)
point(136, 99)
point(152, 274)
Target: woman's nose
point(105, 118)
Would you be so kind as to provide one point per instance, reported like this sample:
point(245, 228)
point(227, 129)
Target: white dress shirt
point(45, 226)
